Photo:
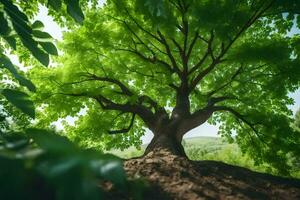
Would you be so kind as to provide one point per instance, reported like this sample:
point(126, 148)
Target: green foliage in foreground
point(44, 165)
point(210, 148)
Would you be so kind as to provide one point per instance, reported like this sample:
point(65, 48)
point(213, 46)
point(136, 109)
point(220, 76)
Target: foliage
point(12, 116)
point(228, 61)
point(46, 165)
point(15, 22)
point(17, 29)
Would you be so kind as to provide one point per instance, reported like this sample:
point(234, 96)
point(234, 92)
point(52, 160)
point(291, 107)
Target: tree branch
point(195, 67)
point(106, 104)
point(196, 119)
point(124, 130)
point(202, 74)
point(141, 28)
point(228, 83)
point(149, 59)
point(236, 114)
point(125, 90)
point(170, 55)
point(202, 115)
point(240, 117)
point(224, 49)
point(192, 45)
point(257, 14)
point(207, 53)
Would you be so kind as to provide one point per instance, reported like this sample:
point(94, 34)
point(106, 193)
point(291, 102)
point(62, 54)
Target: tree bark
point(166, 141)
point(168, 133)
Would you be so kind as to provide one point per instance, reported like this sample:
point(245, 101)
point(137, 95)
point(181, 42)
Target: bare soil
point(177, 178)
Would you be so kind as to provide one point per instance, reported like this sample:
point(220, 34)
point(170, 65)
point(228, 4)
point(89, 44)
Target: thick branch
point(195, 120)
point(106, 104)
point(202, 115)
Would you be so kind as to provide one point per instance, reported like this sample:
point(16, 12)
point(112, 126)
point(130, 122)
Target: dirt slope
point(173, 177)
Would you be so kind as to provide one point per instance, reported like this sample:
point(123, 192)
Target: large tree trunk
point(167, 142)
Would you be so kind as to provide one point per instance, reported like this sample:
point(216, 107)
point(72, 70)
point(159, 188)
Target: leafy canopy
point(233, 60)
point(18, 31)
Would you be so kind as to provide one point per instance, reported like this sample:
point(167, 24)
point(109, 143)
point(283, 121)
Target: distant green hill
point(197, 147)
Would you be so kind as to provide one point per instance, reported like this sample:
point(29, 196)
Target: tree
point(173, 65)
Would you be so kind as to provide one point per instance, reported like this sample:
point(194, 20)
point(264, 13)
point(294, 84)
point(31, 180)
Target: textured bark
point(168, 132)
point(167, 142)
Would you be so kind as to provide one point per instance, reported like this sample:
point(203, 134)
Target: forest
point(99, 99)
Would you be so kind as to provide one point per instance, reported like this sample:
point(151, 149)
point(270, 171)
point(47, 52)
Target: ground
point(173, 177)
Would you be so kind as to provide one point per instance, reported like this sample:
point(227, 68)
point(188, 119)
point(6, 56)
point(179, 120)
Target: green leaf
point(51, 142)
point(18, 18)
point(20, 100)
point(37, 25)
point(4, 25)
point(112, 170)
point(11, 41)
point(62, 166)
point(55, 4)
point(15, 141)
point(41, 34)
point(25, 82)
point(75, 11)
point(20, 24)
point(49, 48)
point(31, 44)
point(39, 54)
point(5, 62)
point(14, 10)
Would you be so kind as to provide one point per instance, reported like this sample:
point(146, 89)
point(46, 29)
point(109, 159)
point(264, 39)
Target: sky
point(204, 130)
